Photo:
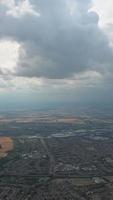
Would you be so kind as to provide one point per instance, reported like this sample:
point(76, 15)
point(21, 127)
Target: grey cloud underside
point(57, 45)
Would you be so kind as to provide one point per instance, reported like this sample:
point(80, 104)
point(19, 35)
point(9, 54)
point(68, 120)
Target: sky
point(56, 51)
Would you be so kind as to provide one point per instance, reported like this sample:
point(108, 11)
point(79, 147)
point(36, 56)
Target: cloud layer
point(60, 40)
point(57, 43)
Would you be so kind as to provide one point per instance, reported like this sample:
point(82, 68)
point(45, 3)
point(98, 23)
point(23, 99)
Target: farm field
point(6, 145)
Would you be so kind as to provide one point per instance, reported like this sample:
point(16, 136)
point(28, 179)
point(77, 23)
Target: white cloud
point(9, 54)
point(105, 11)
point(19, 9)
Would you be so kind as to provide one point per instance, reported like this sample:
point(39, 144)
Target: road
point(51, 158)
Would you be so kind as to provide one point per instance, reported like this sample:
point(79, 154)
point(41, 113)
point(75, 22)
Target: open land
point(6, 145)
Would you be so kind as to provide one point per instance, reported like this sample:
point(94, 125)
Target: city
point(62, 156)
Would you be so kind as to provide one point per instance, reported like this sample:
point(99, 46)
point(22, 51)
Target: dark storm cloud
point(58, 44)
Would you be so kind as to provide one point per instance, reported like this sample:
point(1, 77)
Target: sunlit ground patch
point(6, 145)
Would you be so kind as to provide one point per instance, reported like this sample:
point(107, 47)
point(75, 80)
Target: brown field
point(70, 120)
point(6, 145)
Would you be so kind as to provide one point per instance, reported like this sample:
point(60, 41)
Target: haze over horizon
point(55, 51)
